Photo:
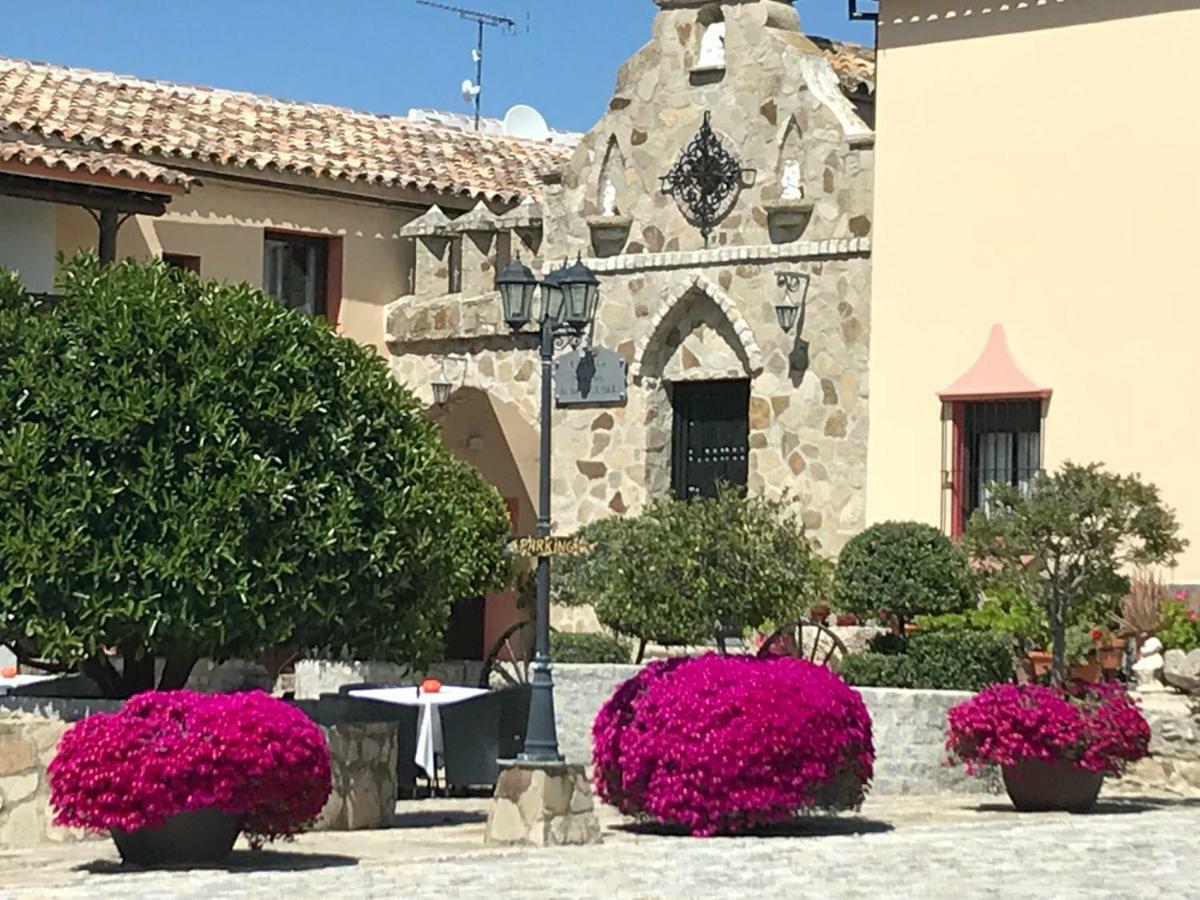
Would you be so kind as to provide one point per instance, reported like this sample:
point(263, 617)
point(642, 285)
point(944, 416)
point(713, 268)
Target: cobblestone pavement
point(899, 847)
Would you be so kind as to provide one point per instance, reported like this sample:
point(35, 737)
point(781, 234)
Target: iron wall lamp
point(788, 312)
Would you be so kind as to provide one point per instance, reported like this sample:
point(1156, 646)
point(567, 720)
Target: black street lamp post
point(568, 305)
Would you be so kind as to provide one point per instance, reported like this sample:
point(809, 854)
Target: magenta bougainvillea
point(170, 752)
point(722, 744)
point(1098, 727)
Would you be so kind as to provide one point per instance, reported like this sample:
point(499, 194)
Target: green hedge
point(947, 661)
point(876, 670)
point(589, 648)
point(959, 661)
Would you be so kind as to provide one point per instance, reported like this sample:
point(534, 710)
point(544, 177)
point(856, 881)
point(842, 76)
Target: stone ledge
point(719, 256)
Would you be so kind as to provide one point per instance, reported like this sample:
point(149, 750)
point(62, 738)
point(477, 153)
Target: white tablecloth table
point(429, 720)
point(16, 681)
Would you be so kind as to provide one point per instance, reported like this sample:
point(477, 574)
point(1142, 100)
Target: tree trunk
point(138, 673)
point(1058, 629)
point(641, 651)
point(176, 671)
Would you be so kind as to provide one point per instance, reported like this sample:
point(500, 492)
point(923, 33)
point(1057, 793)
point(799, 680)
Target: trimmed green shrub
point(888, 644)
point(959, 661)
point(876, 670)
point(189, 469)
point(903, 569)
point(674, 572)
point(943, 661)
point(589, 648)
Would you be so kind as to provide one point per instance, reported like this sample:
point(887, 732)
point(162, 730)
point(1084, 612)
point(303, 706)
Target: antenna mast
point(482, 20)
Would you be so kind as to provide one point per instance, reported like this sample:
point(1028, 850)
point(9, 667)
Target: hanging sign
point(592, 377)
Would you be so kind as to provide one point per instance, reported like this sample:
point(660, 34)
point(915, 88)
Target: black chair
point(471, 738)
point(514, 719)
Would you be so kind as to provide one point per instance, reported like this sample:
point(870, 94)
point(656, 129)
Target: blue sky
point(379, 55)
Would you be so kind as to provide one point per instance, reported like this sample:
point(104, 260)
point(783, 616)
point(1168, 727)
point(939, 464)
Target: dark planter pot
point(204, 836)
point(1037, 786)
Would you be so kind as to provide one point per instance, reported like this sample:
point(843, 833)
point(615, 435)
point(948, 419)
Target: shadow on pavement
point(434, 818)
point(239, 861)
point(1111, 806)
point(817, 826)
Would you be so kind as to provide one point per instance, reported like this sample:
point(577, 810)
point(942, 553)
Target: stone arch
point(678, 292)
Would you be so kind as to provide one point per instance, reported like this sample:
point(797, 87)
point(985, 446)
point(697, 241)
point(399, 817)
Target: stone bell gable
point(775, 103)
point(691, 269)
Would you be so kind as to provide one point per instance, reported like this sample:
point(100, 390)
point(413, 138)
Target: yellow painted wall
point(224, 224)
point(1036, 167)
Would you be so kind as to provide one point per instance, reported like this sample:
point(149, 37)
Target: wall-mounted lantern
point(787, 311)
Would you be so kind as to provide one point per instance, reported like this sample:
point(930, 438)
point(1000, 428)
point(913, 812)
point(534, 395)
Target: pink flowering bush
point(1098, 727)
point(165, 753)
point(723, 744)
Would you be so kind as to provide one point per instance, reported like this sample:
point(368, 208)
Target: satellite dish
point(470, 90)
point(526, 122)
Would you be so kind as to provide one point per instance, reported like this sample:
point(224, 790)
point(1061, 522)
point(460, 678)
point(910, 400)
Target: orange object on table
point(431, 685)
point(8, 672)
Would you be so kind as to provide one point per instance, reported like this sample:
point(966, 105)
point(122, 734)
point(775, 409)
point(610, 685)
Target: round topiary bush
point(170, 752)
point(724, 744)
point(904, 569)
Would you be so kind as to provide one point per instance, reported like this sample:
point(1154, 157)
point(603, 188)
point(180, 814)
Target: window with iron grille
point(990, 442)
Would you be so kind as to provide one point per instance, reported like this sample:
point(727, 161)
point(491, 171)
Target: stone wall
point(680, 307)
point(364, 776)
point(1174, 764)
point(909, 728)
point(27, 744)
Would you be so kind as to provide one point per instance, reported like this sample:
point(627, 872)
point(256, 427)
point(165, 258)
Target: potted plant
point(175, 776)
point(1054, 745)
point(1069, 540)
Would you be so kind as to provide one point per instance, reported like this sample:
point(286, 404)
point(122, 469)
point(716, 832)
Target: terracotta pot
point(847, 620)
point(1088, 671)
point(819, 613)
point(1043, 661)
point(1111, 657)
point(1037, 786)
point(203, 836)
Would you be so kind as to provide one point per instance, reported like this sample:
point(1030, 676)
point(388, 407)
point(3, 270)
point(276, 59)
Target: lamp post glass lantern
point(568, 305)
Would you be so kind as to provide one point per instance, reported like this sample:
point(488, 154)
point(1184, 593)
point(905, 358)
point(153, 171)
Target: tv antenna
point(471, 90)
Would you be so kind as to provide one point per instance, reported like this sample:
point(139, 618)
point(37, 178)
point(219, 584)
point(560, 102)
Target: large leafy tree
point(678, 572)
point(187, 469)
point(1072, 539)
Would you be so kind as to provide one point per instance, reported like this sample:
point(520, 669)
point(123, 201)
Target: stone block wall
point(1174, 764)
point(27, 744)
point(363, 756)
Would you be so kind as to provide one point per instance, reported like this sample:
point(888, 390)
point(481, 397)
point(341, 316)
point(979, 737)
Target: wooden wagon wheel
point(805, 639)
point(507, 663)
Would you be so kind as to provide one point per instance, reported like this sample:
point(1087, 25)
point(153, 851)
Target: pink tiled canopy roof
point(995, 375)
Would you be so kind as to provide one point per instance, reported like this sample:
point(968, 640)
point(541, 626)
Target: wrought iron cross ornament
point(705, 179)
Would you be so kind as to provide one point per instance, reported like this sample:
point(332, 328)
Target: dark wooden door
point(712, 436)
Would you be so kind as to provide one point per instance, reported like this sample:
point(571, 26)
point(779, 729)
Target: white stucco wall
point(27, 241)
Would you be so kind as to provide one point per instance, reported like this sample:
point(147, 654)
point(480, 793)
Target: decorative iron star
point(705, 179)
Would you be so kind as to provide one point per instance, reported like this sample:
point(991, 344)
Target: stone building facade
point(685, 311)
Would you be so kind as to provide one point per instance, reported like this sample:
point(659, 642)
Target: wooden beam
point(87, 196)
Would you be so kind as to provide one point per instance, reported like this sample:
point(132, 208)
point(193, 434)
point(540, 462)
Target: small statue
point(608, 198)
point(712, 47)
point(790, 181)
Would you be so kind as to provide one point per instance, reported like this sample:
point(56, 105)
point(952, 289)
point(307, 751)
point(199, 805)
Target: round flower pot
point(1037, 786)
point(204, 836)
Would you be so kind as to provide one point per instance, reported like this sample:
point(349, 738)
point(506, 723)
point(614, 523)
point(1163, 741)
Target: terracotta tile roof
point(92, 162)
point(853, 63)
point(164, 121)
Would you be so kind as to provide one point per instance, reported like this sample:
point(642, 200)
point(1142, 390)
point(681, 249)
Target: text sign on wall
point(589, 377)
